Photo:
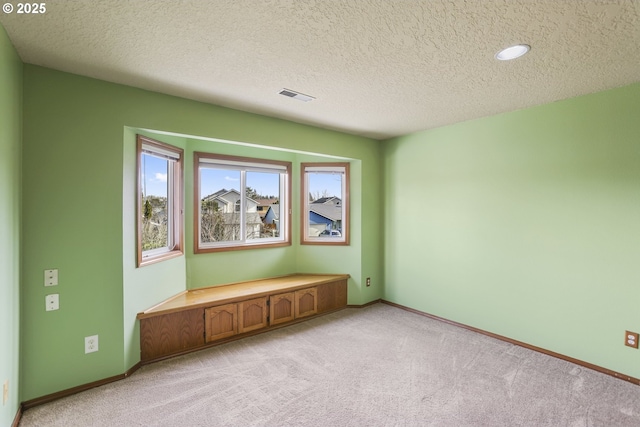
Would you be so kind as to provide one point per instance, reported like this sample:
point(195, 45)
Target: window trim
point(175, 197)
point(304, 201)
point(241, 162)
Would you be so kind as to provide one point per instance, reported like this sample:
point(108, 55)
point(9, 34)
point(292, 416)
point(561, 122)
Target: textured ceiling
point(378, 68)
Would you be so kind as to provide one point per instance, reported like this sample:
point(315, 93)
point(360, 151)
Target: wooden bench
point(199, 318)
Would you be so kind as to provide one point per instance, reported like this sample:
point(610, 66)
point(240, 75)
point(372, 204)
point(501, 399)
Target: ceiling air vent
point(296, 95)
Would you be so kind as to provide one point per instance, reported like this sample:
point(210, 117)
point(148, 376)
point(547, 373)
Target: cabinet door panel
point(221, 321)
point(332, 296)
point(171, 333)
point(281, 308)
point(306, 302)
point(252, 314)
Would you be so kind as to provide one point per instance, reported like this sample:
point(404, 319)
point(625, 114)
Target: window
point(159, 207)
point(325, 199)
point(240, 203)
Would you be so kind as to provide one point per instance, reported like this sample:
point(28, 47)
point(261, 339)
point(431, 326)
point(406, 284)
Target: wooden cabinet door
point(252, 314)
point(221, 321)
point(171, 333)
point(332, 296)
point(306, 302)
point(281, 308)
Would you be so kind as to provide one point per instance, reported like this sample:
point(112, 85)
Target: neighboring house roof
point(332, 212)
point(223, 195)
point(275, 213)
point(327, 200)
point(315, 219)
point(216, 194)
point(265, 202)
point(217, 199)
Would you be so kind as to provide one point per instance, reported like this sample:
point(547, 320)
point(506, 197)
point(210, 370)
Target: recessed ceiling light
point(296, 95)
point(513, 52)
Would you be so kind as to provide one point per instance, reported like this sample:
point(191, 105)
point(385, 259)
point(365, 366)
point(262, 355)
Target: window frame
point(344, 240)
point(175, 201)
point(243, 163)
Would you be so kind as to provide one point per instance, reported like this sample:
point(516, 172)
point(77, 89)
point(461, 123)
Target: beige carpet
point(377, 366)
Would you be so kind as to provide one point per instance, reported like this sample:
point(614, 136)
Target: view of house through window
point(326, 203)
point(240, 202)
point(159, 200)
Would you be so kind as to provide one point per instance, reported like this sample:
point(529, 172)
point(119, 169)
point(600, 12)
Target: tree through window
point(159, 207)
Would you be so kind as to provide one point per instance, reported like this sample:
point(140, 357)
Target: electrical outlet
point(368, 281)
point(5, 392)
point(631, 339)
point(90, 344)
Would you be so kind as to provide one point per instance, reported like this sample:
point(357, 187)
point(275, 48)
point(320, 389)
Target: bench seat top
point(221, 294)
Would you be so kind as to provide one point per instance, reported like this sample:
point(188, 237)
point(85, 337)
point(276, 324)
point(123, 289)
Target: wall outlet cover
point(52, 302)
point(91, 344)
point(51, 277)
point(631, 339)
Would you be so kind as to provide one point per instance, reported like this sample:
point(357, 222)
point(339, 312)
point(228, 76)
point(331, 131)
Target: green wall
point(10, 138)
point(142, 287)
point(79, 193)
point(524, 224)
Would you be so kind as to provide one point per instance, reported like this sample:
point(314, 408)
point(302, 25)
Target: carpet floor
point(376, 366)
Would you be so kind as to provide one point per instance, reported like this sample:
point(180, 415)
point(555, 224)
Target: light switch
point(52, 302)
point(51, 277)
